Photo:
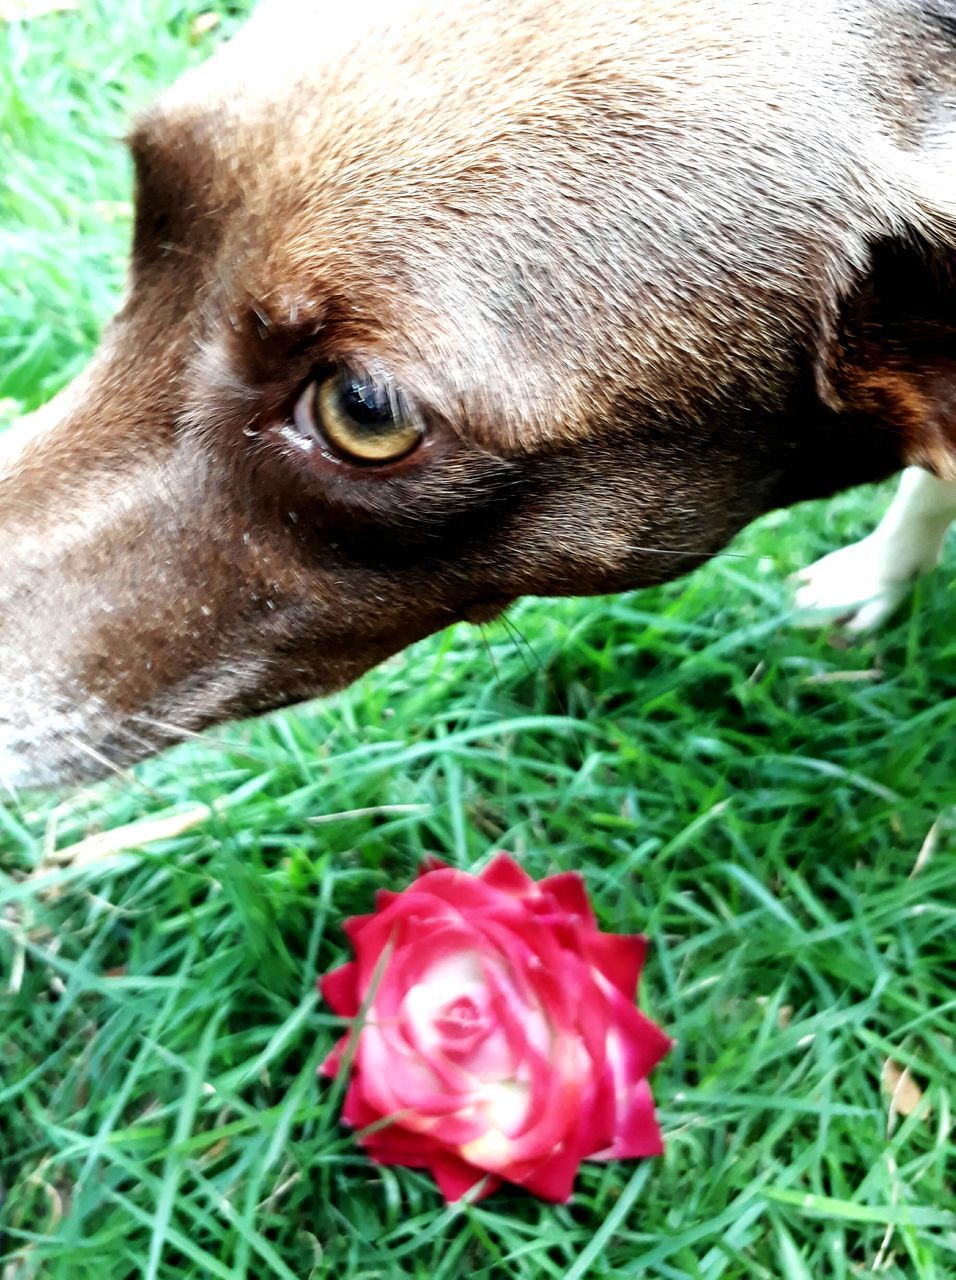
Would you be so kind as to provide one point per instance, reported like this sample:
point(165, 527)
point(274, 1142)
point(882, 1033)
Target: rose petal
point(553, 1119)
point(593, 1025)
point(396, 1079)
point(553, 1179)
point(354, 925)
point(597, 1118)
point(557, 983)
point(505, 875)
point(456, 1178)
point(410, 915)
point(537, 964)
point(569, 892)
point(469, 895)
point(638, 1133)
point(339, 990)
point(363, 1108)
point(449, 954)
point(430, 863)
point(332, 1062)
point(521, 1017)
point(619, 957)
point(357, 1111)
point(635, 1045)
point(395, 1145)
point(395, 1156)
point(551, 1115)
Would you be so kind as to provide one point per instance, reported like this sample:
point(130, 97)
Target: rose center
point(460, 1018)
point(461, 1023)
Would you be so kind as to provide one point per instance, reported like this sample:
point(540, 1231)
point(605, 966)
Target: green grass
point(752, 796)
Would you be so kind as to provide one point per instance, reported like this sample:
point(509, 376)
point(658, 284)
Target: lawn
point(772, 806)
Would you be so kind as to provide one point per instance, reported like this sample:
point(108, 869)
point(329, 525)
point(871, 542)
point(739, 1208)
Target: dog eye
point(361, 418)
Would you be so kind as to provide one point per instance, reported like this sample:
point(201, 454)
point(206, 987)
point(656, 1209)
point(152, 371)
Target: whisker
point(514, 635)
point(123, 772)
point(554, 692)
point(111, 766)
point(168, 727)
point(216, 738)
point(689, 551)
point(491, 658)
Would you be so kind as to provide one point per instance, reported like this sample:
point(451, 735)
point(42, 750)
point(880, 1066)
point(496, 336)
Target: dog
point(433, 306)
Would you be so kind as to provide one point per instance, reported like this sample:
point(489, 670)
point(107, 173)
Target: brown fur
point(649, 267)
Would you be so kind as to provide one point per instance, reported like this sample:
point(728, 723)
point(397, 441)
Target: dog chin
point(23, 768)
point(48, 745)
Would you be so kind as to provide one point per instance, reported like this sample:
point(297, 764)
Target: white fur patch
point(38, 739)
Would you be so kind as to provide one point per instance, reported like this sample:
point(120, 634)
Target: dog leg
point(864, 583)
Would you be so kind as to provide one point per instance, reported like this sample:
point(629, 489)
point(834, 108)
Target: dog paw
point(859, 586)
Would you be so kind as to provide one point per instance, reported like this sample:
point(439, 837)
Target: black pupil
point(368, 404)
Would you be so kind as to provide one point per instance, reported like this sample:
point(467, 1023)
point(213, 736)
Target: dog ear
point(890, 360)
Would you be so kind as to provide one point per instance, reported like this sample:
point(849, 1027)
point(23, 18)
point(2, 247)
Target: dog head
point(433, 306)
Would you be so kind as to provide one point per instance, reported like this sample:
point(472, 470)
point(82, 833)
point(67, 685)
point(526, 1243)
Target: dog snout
point(147, 593)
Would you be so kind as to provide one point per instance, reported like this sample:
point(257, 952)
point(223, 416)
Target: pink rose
point(500, 1035)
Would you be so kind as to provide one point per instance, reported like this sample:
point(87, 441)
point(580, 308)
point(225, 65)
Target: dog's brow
point(143, 137)
point(157, 176)
point(174, 181)
point(174, 144)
